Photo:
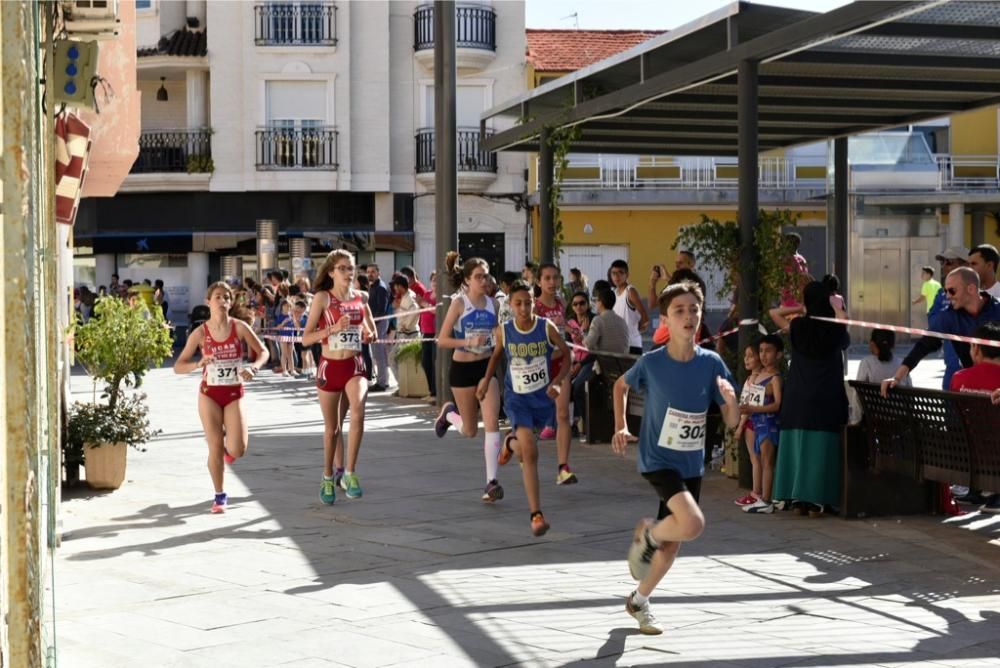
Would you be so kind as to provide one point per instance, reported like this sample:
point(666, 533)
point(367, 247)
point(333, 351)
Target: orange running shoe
point(538, 524)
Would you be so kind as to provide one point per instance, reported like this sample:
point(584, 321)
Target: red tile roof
point(568, 50)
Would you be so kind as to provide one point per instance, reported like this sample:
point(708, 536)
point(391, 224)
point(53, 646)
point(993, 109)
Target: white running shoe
point(761, 506)
point(647, 622)
point(641, 551)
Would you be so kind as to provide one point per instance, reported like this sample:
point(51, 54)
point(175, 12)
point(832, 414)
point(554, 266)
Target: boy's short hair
point(928, 270)
point(675, 290)
point(774, 340)
point(989, 254)
point(989, 330)
point(620, 264)
point(400, 280)
point(605, 295)
point(508, 277)
point(518, 286)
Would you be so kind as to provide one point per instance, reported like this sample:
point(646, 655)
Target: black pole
point(841, 217)
point(546, 224)
point(445, 192)
point(747, 148)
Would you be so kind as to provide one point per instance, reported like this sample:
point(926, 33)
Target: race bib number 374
point(683, 431)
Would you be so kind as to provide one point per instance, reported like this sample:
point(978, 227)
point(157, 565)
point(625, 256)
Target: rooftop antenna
point(576, 19)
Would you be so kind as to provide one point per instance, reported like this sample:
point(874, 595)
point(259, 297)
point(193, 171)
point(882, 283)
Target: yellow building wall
point(974, 132)
point(648, 233)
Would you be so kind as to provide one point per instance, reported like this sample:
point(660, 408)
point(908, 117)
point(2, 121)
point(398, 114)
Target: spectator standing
point(578, 281)
point(984, 260)
point(380, 303)
point(685, 260)
point(607, 333)
point(950, 260)
point(629, 305)
point(404, 305)
point(814, 406)
point(427, 324)
point(798, 266)
point(929, 288)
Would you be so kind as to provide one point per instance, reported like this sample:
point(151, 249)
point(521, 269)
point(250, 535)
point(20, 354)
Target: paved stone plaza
point(421, 573)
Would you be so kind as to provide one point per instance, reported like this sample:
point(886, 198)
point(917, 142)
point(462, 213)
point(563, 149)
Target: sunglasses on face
point(951, 292)
point(579, 303)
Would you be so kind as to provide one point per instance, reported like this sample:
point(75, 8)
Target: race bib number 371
point(224, 372)
point(683, 431)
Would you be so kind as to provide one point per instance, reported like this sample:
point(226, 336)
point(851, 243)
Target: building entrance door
point(882, 284)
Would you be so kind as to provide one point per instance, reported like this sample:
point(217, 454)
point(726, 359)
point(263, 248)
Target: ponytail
point(884, 341)
point(453, 269)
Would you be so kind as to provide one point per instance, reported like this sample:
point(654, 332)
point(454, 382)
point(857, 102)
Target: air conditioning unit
point(96, 19)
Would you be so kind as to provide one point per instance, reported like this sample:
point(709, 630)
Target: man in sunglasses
point(969, 307)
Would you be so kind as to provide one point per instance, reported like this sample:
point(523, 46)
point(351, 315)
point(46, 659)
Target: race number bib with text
point(753, 395)
point(224, 372)
point(347, 339)
point(487, 335)
point(683, 431)
point(528, 377)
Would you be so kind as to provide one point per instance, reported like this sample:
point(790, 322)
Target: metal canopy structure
point(858, 68)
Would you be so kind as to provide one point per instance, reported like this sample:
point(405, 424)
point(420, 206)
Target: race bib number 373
point(347, 339)
point(683, 431)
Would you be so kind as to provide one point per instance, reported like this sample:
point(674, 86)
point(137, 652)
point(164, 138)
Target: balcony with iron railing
point(295, 24)
point(172, 159)
point(475, 36)
point(476, 168)
point(306, 148)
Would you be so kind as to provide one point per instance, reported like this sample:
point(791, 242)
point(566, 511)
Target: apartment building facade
point(317, 116)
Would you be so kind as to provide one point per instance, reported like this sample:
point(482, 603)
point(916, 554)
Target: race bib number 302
point(224, 372)
point(347, 339)
point(528, 377)
point(683, 431)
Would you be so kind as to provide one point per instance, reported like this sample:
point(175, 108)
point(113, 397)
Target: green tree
point(120, 343)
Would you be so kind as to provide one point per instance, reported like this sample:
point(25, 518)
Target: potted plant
point(117, 346)
point(412, 381)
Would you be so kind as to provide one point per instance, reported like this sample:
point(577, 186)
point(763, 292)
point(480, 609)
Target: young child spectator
point(763, 406)
point(307, 363)
point(983, 376)
point(882, 362)
point(744, 432)
point(286, 328)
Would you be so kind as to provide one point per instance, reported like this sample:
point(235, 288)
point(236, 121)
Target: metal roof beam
point(782, 40)
point(916, 85)
point(883, 59)
point(712, 129)
point(840, 103)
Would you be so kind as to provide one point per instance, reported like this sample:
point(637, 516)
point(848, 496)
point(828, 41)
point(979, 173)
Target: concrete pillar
point(267, 247)
point(384, 220)
point(978, 228)
point(956, 225)
point(197, 280)
point(232, 268)
point(104, 267)
point(546, 221)
point(197, 99)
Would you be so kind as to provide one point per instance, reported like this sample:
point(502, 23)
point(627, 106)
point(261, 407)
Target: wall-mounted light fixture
point(161, 95)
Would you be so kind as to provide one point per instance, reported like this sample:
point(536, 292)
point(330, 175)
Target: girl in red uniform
point(340, 318)
point(223, 371)
point(550, 305)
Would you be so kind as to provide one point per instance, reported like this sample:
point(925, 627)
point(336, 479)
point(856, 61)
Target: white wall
point(169, 115)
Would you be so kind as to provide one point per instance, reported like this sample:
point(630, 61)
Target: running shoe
point(647, 622)
point(538, 524)
point(566, 477)
point(493, 491)
point(441, 424)
point(328, 491)
point(219, 504)
point(547, 434)
point(747, 500)
point(992, 505)
point(351, 485)
point(228, 458)
point(761, 506)
point(506, 452)
point(641, 552)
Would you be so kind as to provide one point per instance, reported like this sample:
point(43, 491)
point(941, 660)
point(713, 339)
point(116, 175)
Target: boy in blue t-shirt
point(679, 382)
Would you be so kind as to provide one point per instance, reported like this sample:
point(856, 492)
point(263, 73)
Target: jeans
point(380, 352)
point(579, 386)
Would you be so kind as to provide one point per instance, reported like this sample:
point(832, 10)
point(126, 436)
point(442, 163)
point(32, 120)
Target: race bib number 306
point(347, 339)
point(224, 372)
point(530, 376)
point(683, 431)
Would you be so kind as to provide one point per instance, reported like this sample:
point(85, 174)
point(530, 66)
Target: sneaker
point(328, 491)
point(974, 498)
point(782, 505)
point(506, 452)
point(228, 458)
point(441, 424)
point(992, 506)
point(761, 506)
point(566, 477)
point(493, 491)
point(647, 622)
point(747, 500)
point(547, 434)
point(219, 504)
point(350, 484)
point(641, 552)
point(538, 524)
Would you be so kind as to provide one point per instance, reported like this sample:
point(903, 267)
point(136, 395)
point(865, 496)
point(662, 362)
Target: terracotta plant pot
point(412, 381)
point(105, 464)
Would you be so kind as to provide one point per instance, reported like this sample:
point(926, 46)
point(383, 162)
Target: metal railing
point(612, 172)
point(475, 27)
point(470, 157)
point(179, 151)
point(295, 24)
point(312, 148)
point(972, 172)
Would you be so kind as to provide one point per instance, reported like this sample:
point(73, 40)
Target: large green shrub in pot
point(98, 424)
